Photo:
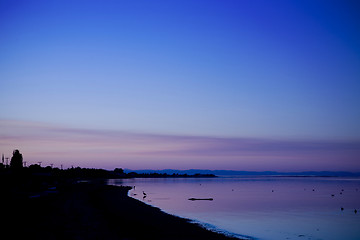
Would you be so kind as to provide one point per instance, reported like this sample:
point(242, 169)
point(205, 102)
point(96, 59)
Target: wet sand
point(92, 211)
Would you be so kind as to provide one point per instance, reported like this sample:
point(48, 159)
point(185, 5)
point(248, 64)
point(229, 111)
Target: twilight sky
point(242, 85)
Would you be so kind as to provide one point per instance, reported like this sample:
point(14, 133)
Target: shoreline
point(204, 225)
point(94, 210)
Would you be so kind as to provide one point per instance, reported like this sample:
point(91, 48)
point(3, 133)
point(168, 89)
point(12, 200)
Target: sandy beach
point(91, 211)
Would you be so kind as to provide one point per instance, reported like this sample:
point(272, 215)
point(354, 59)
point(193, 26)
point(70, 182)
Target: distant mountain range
point(250, 173)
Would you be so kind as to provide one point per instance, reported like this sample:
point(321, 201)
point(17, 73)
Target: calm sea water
point(265, 208)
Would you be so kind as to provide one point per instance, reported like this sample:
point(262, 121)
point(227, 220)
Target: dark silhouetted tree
point(16, 160)
point(119, 170)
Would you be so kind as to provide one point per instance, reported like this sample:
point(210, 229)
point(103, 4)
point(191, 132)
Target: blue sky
point(231, 69)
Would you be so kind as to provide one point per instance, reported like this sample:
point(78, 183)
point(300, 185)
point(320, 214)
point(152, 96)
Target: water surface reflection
point(261, 207)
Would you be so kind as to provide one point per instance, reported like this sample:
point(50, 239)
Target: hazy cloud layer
point(109, 149)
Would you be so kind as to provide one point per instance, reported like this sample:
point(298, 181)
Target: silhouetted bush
point(16, 160)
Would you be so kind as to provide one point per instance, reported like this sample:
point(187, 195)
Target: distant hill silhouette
point(249, 173)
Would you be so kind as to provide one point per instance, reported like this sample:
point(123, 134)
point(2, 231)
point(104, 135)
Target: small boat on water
point(196, 199)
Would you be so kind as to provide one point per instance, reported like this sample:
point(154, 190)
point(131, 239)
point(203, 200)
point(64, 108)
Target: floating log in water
point(196, 199)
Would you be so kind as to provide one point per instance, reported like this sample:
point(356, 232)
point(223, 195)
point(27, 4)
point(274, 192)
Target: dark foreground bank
point(91, 211)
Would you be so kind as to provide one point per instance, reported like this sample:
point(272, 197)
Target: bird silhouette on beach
point(144, 195)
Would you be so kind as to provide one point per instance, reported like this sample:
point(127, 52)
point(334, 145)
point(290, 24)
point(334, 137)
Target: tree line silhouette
point(17, 167)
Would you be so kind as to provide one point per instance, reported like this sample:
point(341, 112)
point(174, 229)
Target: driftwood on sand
point(196, 199)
